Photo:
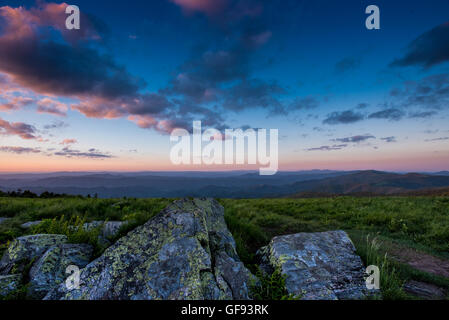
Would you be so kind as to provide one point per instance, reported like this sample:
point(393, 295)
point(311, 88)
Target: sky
point(107, 96)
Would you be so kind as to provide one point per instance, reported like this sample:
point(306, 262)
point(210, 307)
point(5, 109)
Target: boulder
point(50, 270)
point(9, 284)
point(24, 249)
point(317, 266)
point(185, 252)
point(28, 225)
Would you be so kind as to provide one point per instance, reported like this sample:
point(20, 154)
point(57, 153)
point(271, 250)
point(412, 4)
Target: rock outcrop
point(9, 284)
point(185, 252)
point(50, 269)
point(24, 249)
point(317, 266)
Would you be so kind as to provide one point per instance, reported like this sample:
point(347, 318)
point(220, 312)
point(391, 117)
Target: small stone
point(28, 225)
point(2, 219)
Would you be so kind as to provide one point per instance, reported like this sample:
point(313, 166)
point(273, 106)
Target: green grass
point(418, 222)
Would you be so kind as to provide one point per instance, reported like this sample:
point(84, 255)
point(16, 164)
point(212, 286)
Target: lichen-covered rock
point(50, 270)
point(185, 252)
point(24, 249)
point(28, 225)
point(9, 284)
point(317, 266)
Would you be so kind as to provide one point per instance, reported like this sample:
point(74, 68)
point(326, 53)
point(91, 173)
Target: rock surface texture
point(317, 266)
point(50, 269)
point(9, 284)
point(28, 225)
point(185, 252)
point(24, 249)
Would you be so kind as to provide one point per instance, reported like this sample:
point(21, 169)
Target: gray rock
point(49, 271)
point(109, 228)
point(317, 266)
point(9, 284)
point(185, 252)
point(425, 290)
point(24, 249)
point(2, 219)
point(28, 225)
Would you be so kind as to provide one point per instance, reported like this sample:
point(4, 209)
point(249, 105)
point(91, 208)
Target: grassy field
point(378, 226)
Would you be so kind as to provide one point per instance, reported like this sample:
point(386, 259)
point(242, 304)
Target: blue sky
point(342, 96)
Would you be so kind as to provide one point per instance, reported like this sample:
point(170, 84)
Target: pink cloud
point(68, 141)
point(209, 7)
point(23, 130)
point(47, 105)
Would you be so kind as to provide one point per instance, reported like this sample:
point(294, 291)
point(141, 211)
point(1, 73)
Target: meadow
point(382, 228)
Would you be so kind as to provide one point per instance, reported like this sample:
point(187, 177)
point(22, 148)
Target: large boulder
point(9, 284)
point(24, 249)
point(185, 252)
point(50, 270)
point(317, 266)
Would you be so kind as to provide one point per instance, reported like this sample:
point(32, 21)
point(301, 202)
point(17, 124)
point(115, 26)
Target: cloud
point(355, 139)
point(68, 141)
point(50, 106)
point(23, 130)
point(437, 139)
point(210, 7)
point(429, 49)
point(390, 114)
point(431, 92)
point(328, 148)
point(104, 88)
point(19, 150)
point(56, 125)
point(422, 115)
point(16, 103)
point(92, 154)
point(389, 139)
point(305, 103)
point(344, 117)
point(346, 65)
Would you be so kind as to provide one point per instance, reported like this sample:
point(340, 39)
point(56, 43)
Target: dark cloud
point(306, 103)
point(429, 49)
point(19, 150)
point(344, 117)
point(389, 139)
point(56, 125)
point(355, 139)
point(23, 130)
point(422, 115)
point(92, 154)
point(390, 114)
point(346, 64)
point(328, 148)
point(431, 92)
point(437, 139)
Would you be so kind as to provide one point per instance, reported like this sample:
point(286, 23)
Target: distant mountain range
point(237, 184)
